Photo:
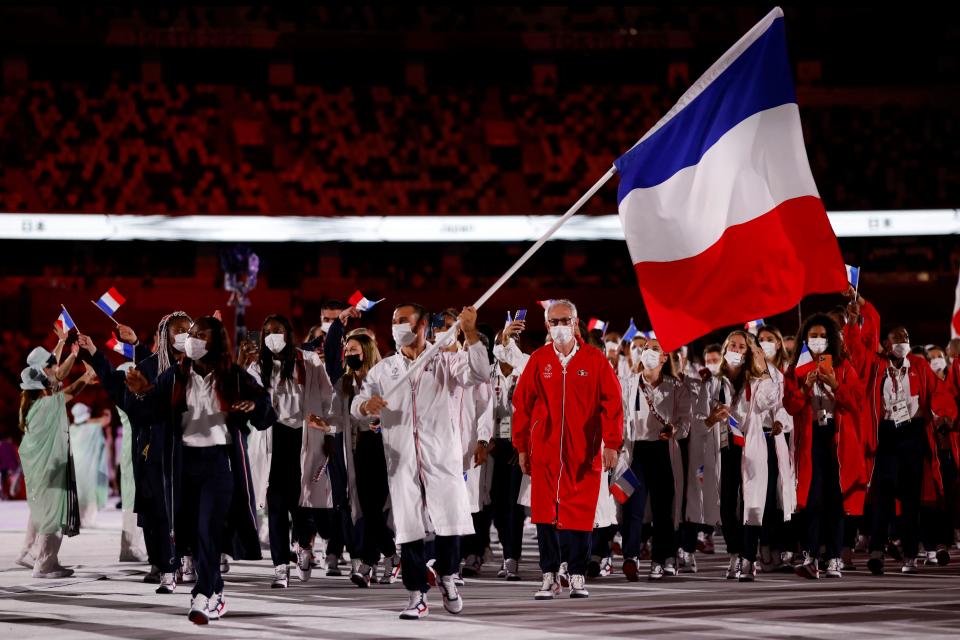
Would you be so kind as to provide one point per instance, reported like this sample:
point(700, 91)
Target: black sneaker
point(875, 565)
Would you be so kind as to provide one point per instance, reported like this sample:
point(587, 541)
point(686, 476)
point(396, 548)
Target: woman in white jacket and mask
point(656, 412)
point(776, 541)
point(736, 402)
point(298, 386)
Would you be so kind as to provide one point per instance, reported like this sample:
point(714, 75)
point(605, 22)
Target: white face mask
point(817, 345)
point(180, 341)
point(195, 348)
point(275, 342)
point(938, 364)
point(769, 349)
point(611, 346)
point(561, 334)
point(713, 367)
point(325, 326)
point(650, 359)
point(635, 353)
point(403, 335)
point(733, 358)
point(901, 349)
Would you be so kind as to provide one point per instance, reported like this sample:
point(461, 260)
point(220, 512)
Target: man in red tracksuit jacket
point(568, 429)
point(906, 403)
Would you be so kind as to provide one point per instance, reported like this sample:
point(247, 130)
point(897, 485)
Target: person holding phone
point(735, 403)
point(831, 476)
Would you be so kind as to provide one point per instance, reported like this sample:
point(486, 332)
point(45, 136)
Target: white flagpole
point(434, 347)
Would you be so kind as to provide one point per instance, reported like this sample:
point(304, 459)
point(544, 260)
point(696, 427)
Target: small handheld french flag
point(624, 486)
point(631, 332)
point(545, 303)
point(509, 319)
point(360, 302)
point(124, 349)
point(735, 432)
point(853, 276)
point(110, 301)
point(596, 325)
point(754, 326)
point(65, 322)
point(805, 363)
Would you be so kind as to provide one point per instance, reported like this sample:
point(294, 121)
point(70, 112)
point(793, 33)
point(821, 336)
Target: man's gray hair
point(557, 303)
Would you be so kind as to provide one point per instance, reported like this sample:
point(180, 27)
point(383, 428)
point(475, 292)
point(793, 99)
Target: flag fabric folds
point(805, 363)
point(359, 301)
point(596, 325)
point(110, 301)
point(65, 322)
point(624, 486)
point(124, 349)
point(754, 326)
point(631, 332)
point(719, 208)
point(853, 276)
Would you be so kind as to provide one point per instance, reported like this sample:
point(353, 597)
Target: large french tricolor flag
point(718, 205)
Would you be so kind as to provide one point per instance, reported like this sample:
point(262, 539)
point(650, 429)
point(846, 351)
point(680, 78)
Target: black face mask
point(354, 362)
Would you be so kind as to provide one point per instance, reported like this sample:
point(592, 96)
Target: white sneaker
point(834, 568)
point(416, 607)
point(199, 609)
point(502, 573)
point(218, 607)
point(578, 586)
point(563, 576)
point(361, 575)
point(452, 600)
point(931, 558)
point(333, 565)
point(458, 577)
point(281, 576)
point(747, 571)
point(606, 567)
point(153, 576)
point(512, 568)
point(670, 567)
point(909, 566)
point(304, 564)
point(656, 571)
point(168, 583)
point(689, 563)
point(809, 568)
point(188, 573)
point(391, 569)
point(26, 560)
point(224, 564)
point(550, 587)
point(733, 568)
point(56, 572)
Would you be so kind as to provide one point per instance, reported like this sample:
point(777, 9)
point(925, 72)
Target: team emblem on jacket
point(548, 371)
point(582, 373)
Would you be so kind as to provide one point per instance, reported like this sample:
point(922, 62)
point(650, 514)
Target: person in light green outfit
point(89, 447)
point(43, 454)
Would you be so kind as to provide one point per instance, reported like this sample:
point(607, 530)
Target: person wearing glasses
point(568, 429)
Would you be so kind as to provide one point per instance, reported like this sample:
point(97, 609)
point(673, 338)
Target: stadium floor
point(107, 599)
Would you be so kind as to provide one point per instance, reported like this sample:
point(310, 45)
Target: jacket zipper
point(563, 416)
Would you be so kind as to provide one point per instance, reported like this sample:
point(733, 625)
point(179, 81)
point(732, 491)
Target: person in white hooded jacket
point(298, 386)
point(736, 403)
point(775, 536)
point(423, 450)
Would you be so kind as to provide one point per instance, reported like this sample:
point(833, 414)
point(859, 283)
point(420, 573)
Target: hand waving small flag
point(65, 322)
point(360, 302)
point(853, 276)
point(754, 326)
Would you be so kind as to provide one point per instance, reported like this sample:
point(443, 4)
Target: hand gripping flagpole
point(433, 348)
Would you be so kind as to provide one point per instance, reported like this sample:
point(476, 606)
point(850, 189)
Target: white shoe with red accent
point(452, 600)
point(550, 587)
point(218, 606)
point(416, 608)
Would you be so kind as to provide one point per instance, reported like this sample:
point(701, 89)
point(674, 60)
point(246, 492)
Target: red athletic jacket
point(560, 418)
point(848, 400)
point(933, 399)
